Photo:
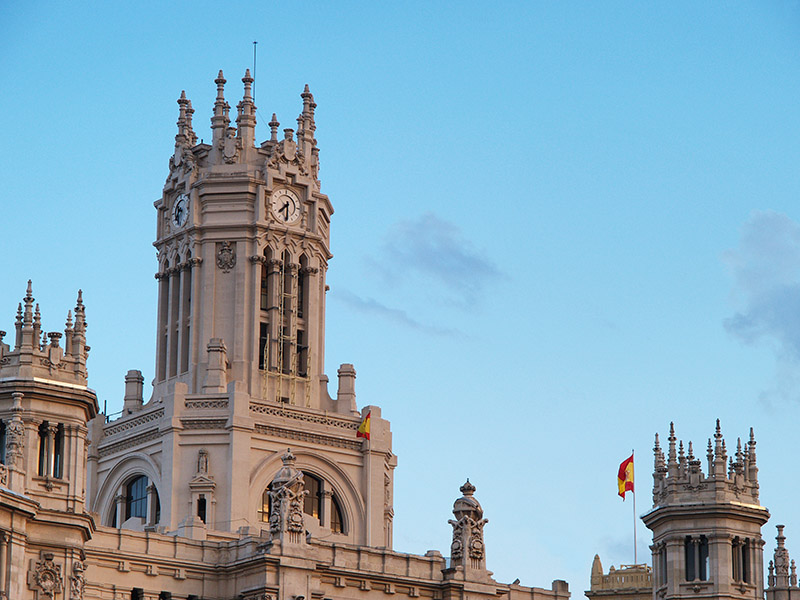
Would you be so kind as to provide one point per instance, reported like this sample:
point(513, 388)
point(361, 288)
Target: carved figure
point(77, 583)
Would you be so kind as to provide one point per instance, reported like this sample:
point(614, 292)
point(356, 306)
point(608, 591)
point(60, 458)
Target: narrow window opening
point(163, 315)
point(58, 453)
point(42, 471)
point(286, 352)
point(137, 594)
point(302, 353)
point(3, 442)
point(313, 500)
point(263, 346)
point(201, 508)
point(337, 522)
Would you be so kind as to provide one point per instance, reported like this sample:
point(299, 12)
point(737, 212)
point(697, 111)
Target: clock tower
point(243, 242)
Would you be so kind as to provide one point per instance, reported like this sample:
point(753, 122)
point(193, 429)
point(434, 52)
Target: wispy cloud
point(766, 271)
point(435, 249)
point(373, 307)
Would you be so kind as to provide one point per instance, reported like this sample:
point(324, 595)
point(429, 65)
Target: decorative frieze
point(304, 436)
point(288, 413)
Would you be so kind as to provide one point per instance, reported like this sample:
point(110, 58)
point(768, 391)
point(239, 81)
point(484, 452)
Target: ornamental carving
point(288, 153)
point(77, 583)
point(286, 495)
point(226, 257)
point(230, 146)
point(45, 577)
point(15, 442)
point(468, 528)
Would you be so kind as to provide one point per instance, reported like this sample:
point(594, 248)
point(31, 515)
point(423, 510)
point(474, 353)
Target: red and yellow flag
point(625, 477)
point(363, 429)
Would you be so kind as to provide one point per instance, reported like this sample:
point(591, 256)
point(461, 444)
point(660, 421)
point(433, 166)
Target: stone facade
point(629, 582)
point(241, 477)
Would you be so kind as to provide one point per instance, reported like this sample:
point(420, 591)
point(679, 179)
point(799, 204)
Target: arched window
point(136, 498)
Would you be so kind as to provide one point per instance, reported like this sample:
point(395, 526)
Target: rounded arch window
point(136, 499)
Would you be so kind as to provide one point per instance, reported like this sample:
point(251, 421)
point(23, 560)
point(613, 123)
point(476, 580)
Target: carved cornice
point(138, 440)
point(113, 429)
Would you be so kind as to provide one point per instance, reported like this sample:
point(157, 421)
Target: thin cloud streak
point(373, 307)
point(435, 249)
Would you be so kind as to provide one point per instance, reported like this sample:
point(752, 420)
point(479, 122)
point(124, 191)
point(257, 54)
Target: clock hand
point(285, 208)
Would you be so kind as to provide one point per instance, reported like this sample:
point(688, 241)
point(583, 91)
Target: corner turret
point(706, 527)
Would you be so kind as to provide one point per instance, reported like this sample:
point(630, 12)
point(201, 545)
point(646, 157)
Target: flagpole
point(634, 511)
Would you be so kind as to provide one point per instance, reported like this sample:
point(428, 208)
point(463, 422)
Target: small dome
point(467, 505)
point(287, 473)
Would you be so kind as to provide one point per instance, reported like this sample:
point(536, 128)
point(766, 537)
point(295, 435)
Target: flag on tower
point(625, 477)
point(363, 429)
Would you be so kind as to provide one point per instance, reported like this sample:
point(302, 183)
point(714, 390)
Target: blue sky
point(558, 227)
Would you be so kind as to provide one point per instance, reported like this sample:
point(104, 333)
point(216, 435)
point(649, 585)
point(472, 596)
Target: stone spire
point(220, 120)
point(246, 119)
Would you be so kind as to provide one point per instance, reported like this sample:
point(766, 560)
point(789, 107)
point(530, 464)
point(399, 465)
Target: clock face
point(285, 205)
point(180, 211)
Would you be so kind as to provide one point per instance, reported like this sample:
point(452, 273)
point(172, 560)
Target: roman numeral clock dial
point(285, 205)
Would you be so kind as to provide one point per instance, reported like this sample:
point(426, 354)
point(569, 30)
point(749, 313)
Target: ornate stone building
point(241, 477)
point(629, 582)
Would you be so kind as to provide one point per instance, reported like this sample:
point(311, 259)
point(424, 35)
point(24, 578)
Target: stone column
point(50, 448)
point(119, 501)
point(3, 562)
point(152, 499)
point(327, 507)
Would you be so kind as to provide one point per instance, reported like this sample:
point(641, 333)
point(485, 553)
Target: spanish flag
point(363, 429)
point(625, 477)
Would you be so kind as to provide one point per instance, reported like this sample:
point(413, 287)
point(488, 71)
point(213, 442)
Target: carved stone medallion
point(226, 257)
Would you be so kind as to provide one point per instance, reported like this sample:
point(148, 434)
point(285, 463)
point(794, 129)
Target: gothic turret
point(707, 526)
point(45, 405)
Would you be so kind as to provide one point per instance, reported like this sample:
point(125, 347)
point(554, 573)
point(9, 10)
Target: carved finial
point(248, 85)
point(220, 81)
point(37, 315)
point(19, 313)
point(273, 127)
point(29, 291)
point(793, 576)
point(69, 320)
point(80, 298)
point(691, 452)
point(780, 537)
point(467, 489)
point(288, 458)
point(710, 456)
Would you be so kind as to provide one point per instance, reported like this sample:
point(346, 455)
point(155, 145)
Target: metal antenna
point(255, 46)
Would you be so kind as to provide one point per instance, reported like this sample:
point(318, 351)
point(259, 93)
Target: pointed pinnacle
point(718, 433)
